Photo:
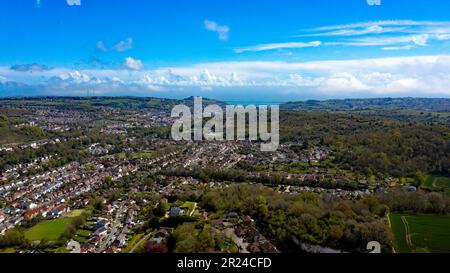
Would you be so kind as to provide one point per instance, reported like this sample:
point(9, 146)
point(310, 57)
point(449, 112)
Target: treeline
point(10, 134)
point(398, 152)
point(13, 237)
point(312, 218)
point(207, 174)
point(68, 151)
point(380, 104)
point(373, 145)
point(416, 202)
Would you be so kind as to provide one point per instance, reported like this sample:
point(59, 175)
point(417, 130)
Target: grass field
point(50, 230)
point(433, 182)
point(420, 233)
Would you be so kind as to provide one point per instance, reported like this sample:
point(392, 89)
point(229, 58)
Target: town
point(111, 180)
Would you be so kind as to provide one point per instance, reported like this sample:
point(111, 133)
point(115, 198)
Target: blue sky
point(232, 50)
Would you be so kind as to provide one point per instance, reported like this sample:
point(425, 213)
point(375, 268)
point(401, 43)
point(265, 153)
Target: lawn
point(49, 229)
point(420, 233)
point(80, 239)
point(190, 206)
point(433, 182)
point(8, 250)
point(75, 213)
point(84, 233)
point(134, 240)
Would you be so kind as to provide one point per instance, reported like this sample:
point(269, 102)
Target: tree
point(262, 210)
point(4, 121)
point(161, 209)
point(12, 237)
point(419, 179)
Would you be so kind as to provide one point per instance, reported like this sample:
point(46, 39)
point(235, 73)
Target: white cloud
point(75, 77)
point(124, 45)
point(389, 34)
point(290, 45)
point(2, 79)
point(101, 46)
point(405, 76)
point(393, 48)
point(73, 2)
point(443, 37)
point(133, 64)
point(372, 29)
point(395, 23)
point(419, 40)
point(222, 30)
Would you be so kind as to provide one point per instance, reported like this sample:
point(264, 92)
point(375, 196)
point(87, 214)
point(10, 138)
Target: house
point(110, 240)
point(30, 214)
point(122, 240)
point(86, 201)
point(240, 232)
point(45, 211)
point(101, 223)
point(157, 240)
point(73, 246)
point(55, 213)
point(94, 241)
point(109, 208)
point(175, 211)
point(2, 216)
point(232, 216)
point(126, 230)
point(169, 230)
point(116, 204)
point(88, 247)
point(248, 220)
point(58, 211)
point(254, 248)
point(163, 232)
point(100, 232)
point(216, 222)
point(130, 217)
point(267, 247)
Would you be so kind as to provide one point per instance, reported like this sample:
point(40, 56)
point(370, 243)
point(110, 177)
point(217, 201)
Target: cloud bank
point(387, 35)
point(402, 76)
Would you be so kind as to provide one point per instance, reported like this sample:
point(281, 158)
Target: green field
point(420, 233)
point(438, 182)
point(50, 230)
